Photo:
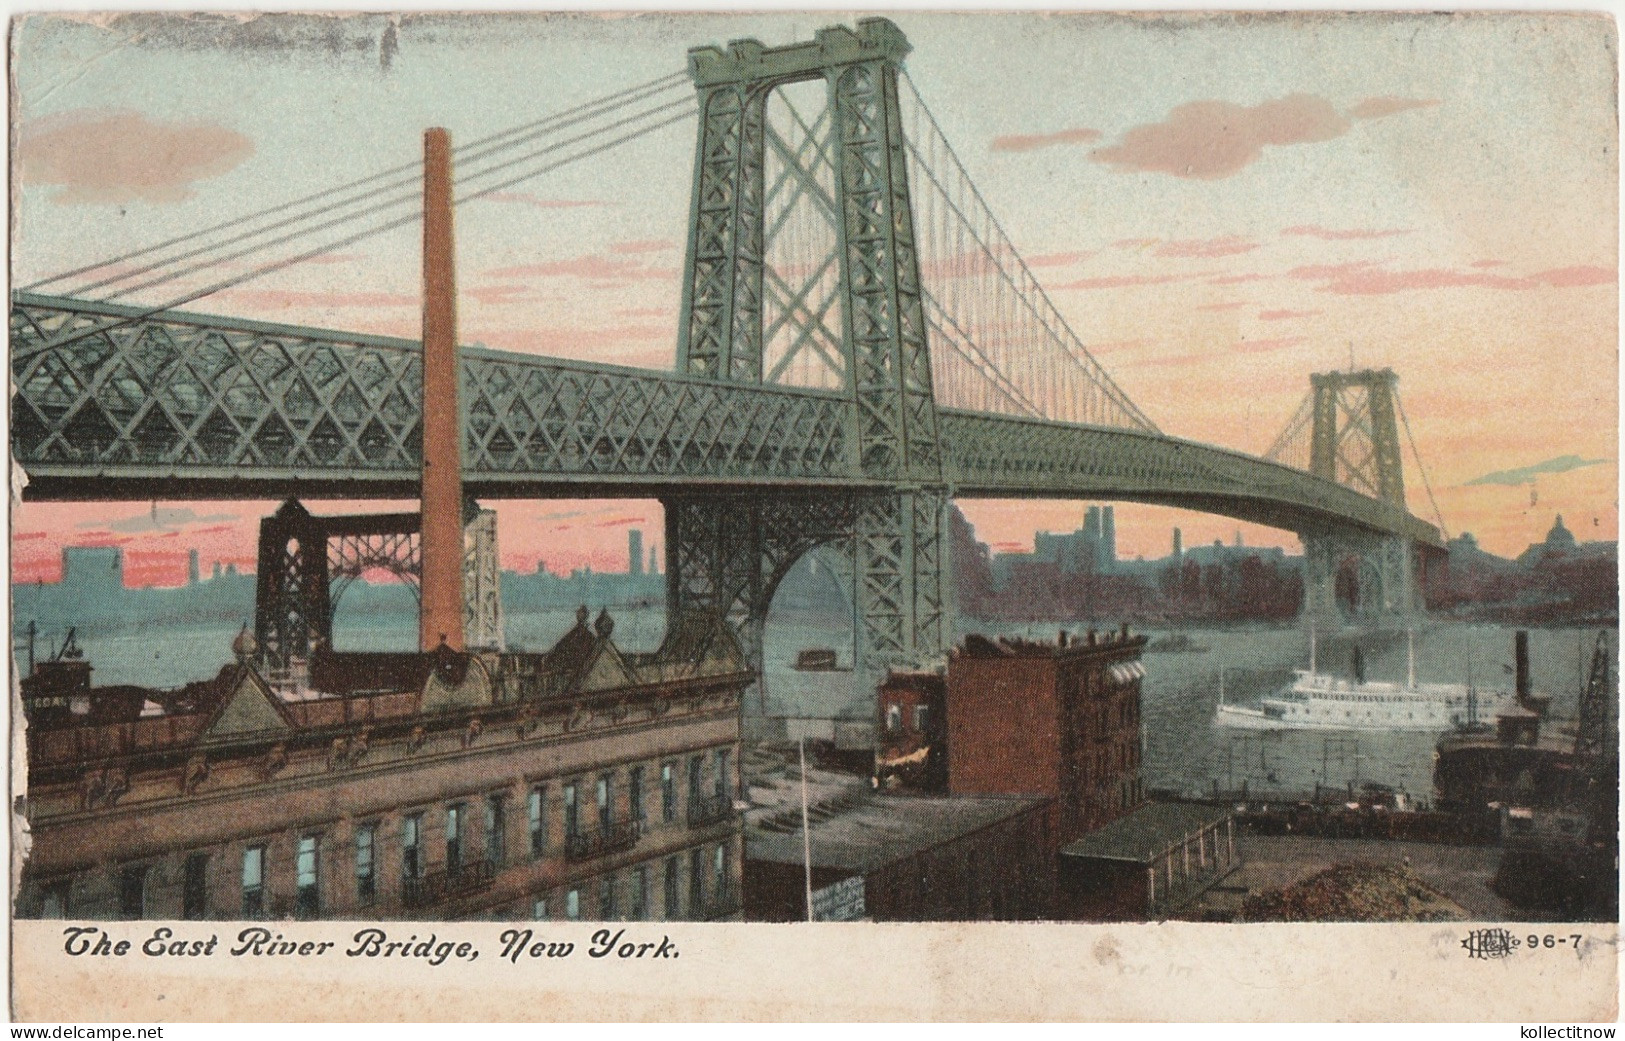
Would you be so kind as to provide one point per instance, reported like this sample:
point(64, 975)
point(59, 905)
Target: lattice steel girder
point(902, 581)
point(258, 409)
point(183, 396)
point(993, 456)
point(726, 554)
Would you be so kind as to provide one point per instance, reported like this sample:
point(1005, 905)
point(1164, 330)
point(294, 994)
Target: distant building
point(93, 569)
point(583, 783)
point(193, 575)
point(634, 552)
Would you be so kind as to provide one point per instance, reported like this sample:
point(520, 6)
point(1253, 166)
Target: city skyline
point(1175, 221)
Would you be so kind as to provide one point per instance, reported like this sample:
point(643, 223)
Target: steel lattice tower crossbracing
point(730, 559)
point(1354, 441)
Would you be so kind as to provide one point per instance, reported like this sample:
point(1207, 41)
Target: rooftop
point(854, 828)
point(1146, 832)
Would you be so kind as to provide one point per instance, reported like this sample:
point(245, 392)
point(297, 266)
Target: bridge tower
point(1354, 441)
point(729, 556)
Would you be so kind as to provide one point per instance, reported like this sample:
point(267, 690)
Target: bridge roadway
point(188, 406)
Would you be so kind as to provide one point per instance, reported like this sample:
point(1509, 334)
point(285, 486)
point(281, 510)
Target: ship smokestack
point(441, 503)
point(1520, 645)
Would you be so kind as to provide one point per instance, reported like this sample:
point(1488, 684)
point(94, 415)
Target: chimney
point(441, 540)
point(1520, 650)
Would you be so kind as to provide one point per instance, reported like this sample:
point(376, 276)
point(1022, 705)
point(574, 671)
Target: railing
point(721, 902)
point(703, 811)
point(448, 883)
point(587, 845)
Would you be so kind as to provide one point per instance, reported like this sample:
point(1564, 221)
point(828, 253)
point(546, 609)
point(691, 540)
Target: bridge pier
point(727, 554)
point(1388, 576)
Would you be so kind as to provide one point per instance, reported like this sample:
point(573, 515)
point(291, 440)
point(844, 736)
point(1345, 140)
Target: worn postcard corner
point(1111, 517)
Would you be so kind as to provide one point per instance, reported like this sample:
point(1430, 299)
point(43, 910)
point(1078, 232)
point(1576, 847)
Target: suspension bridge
point(859, 343)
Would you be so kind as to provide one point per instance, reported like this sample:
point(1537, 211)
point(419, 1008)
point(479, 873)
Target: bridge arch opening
point(808, 645)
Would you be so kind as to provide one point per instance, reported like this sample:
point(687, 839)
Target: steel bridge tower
point(1354, 441)
point(729, 554)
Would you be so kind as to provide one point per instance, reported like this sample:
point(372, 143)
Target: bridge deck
point(194, 406)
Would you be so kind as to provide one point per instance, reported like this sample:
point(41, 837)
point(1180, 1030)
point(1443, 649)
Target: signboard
point(841, 902)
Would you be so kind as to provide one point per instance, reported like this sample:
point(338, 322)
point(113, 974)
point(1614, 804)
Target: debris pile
point(1356, 892)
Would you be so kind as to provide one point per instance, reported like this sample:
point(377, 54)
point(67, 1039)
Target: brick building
point(912, 751)
point(580, 783)
point(1053, 719)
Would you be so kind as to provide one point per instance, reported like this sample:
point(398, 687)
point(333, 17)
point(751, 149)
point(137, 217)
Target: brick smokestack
point(441, 503)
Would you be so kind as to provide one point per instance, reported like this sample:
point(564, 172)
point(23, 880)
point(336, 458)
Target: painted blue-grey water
point(1184, 750)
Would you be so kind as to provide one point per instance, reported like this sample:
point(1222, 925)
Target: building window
point(254, 882)
point(606, 803)
point(538, 821)
point(307, 870)
point(496, 839)
point(454, 836)
point(674, 910)
point(696, 878)
point(572, 820)
point(723, 786)
point(719, 867)
point(195, 887)
point(668, 793)
point(695, 766)
point(538, 909)
point(922, 717)
point(640, 893)
point(366, 874)
point(132, 892)
point(411, 852)
point(606, 898)
point(54, 900)
point(572, 905)
point(634, 794)
point(894, 718)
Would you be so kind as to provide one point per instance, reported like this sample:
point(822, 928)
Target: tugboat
point(1175, 643)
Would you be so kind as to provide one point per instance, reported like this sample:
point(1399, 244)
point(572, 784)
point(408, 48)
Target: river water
point(1184, 751)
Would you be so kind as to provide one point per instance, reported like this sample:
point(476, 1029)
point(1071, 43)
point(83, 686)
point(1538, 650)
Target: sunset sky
point(1218, 205)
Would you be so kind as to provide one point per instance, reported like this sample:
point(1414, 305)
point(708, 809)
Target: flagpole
point(806, 834)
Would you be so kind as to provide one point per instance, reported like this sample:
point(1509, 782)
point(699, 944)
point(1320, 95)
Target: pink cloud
point(1372, 281)
point(1376, 108)
point(1236, 280)
point(280, 299)
point(26, 536)
point(530, 199)
point(1584, 275)
point(643, 246)
point(1283, 315)
point(1230, 306)
point(643, 312)
point(506, 293)
point(1224, 246)
point(1209, 140)
point(120, 155)
point(1135, 244)
point(568, 342)
point(1056, 259)
point(1032, 142)
point(1318, 272)
point(612, 271)
point(1122, 281)
point(619, 522)
point(1266, 345)
point(1338, 234)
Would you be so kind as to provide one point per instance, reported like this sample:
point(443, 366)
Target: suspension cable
point(347, 240)
point(655, 85)
point(1420, 468)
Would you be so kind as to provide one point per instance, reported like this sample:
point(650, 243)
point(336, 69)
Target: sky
point(1217, 205)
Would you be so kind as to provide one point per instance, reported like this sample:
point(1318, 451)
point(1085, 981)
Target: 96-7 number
point(1550, 940)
